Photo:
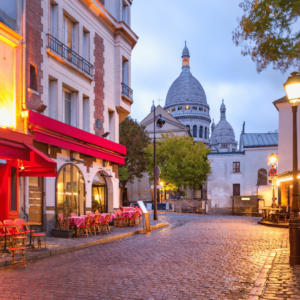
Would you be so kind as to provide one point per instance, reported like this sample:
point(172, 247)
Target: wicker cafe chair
point(85, 226)
point(2, 235)
point(119, 218)
point(134, 219)
point(104, 225)
point(20, 226)
point(11, 232)
point(94, 225)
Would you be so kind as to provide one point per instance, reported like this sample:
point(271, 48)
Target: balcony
point(69, 56)
point(127, 92)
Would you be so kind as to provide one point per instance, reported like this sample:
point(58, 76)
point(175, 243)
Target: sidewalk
point(59, 245)
point(277, 279)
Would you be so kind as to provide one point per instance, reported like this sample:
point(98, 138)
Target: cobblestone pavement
point(197, 257)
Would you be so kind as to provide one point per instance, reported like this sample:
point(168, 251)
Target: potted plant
point(63, 212)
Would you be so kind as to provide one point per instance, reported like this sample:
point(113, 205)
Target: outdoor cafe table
point(6, 226)
point(77, 220)
point(30, 224)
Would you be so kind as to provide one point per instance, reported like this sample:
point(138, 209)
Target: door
point(36, 194)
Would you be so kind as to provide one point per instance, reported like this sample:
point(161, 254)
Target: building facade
point(186, 101)
point(77, 66)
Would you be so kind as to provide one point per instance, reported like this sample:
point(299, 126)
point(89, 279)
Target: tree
point(182, 162)
point(266, 32)
point(136, 139)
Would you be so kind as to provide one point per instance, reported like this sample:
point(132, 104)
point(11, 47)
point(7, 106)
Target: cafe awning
point(32, 162)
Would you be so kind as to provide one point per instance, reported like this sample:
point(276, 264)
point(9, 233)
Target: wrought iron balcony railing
point(67, 53)
point(127, 91)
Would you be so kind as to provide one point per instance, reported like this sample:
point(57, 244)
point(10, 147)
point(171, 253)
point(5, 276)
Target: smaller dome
point(223, 107)
point(185, 52)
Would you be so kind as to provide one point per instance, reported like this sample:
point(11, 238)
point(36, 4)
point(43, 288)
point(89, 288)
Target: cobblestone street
point(197, 257)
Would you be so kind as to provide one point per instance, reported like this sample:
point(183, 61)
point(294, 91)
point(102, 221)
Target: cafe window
point(236, 190)
point(99, 194)
point(236, 167)
point(70, 190)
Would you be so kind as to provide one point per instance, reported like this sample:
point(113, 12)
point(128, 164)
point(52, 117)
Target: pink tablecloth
point(112, 217)
point(76, 220)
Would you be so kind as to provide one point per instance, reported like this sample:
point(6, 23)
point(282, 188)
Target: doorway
point(99, 194)
point(36, 193)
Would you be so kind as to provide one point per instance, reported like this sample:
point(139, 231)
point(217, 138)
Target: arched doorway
point(70, 187)
point(99, 194)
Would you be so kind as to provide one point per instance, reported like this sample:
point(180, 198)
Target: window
point(194, 131)
point(67, 101)
point(86, 45)
point(173, 109)
point(53, 19)
point(236, 167)
point(69, 37)
point(188, 126)
point(262, 178)
point(102, 2)
point(33, 78)
point(205, 110)
point(194, 107)
point(70, 187)
point(86, 114)
point(125, 71)
point(111, 124)
point(179, 108)
point(200, 108)
point(52, 98)
point(201, 132)
point(125, 13)
point(236, 190)
point(223, 146)
point(187, 108)
point(205, 132)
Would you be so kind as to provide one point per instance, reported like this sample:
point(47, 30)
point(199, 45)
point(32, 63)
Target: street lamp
point(292, 88)
point(159, 124)
point(272, 172)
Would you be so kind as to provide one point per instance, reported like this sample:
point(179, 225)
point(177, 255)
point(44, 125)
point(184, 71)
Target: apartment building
point(77, 89)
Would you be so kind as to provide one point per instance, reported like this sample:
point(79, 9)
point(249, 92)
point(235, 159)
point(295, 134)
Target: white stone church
point(236, 171)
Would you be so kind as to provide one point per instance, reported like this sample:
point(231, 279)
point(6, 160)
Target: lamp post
point(292, 88)
point(273, 159)
point(159, 124)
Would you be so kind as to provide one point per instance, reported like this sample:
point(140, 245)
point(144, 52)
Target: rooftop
point(253, 140)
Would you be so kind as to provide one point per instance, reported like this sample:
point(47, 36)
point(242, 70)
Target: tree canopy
point(267, 32)
point(182, 163)
point(136, 139)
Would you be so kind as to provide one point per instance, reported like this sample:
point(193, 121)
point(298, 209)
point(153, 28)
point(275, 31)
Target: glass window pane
point(34, 181)
point(13, 186)
point(67, 112)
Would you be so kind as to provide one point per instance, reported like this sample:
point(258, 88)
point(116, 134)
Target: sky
point(164, 25)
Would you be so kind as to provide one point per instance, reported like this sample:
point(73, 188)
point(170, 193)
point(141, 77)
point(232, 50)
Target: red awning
point(40, 165)
point(66, 143)
point(49, 131)
point(18, 146)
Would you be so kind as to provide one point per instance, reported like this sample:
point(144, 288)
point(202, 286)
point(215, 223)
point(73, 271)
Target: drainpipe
point(25, 117)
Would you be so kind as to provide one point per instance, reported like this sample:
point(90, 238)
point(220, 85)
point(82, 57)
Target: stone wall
point(185, 205)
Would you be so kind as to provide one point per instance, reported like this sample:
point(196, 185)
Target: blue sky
point(164, 25)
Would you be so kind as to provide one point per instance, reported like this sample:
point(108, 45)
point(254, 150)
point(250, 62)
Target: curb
point(273, 224)
point(62, 250)
point(261, 280)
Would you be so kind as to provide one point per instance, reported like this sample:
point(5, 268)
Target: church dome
point(186, 89)
point(223, 133)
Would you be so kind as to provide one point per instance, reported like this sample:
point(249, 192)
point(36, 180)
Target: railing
point(126, 90)
point(67, 53)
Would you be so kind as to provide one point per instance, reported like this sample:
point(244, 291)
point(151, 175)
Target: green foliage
point(182, 163)
point(266, 33)
point(136, 139)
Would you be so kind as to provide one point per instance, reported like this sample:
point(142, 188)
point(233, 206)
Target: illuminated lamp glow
point(6, 118)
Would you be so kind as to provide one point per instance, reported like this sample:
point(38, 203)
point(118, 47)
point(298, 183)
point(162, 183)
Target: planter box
point(63, 233)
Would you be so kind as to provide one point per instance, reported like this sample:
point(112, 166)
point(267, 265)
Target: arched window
point(194, 131)
point(99, 194)
point(201, 132)
point(70, 187)
point(205, 132)
point(262, 177)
